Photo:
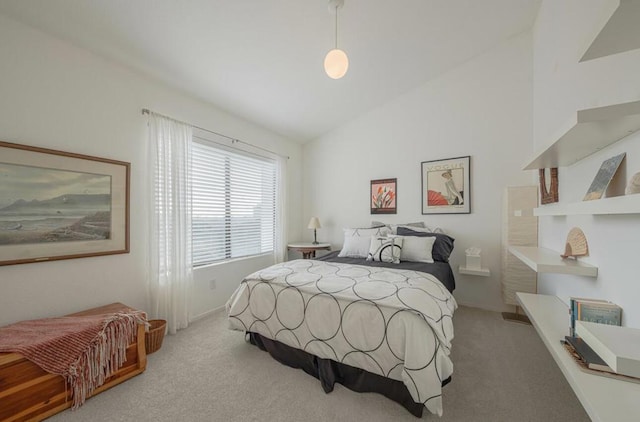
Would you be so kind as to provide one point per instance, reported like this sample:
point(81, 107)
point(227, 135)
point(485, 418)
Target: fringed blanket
point(85, 350)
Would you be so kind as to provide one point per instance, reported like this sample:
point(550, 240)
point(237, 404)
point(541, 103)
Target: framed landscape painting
point(384, 196)
point(59, 205)
point(446, 186)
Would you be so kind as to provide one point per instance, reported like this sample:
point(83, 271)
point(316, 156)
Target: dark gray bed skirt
point(329, 372)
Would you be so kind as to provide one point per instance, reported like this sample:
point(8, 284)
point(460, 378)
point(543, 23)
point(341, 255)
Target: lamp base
point(315, 243)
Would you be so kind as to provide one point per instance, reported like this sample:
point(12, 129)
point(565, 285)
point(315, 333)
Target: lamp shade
point(336, 63)
point(314, 223)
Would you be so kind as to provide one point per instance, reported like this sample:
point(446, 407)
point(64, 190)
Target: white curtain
point(171, 273)
point(280, 247)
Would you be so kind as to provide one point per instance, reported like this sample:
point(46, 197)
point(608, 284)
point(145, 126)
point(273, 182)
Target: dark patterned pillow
point(385, 249)
point(441, 249)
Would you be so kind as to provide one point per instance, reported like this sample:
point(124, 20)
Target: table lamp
point(314, 224)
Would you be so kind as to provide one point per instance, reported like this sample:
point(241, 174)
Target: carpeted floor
point(502, 372)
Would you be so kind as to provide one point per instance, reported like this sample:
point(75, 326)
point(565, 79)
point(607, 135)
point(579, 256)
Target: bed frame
point(328, 372)
point(28, 393)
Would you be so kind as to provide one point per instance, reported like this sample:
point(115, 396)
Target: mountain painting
point(41, 205)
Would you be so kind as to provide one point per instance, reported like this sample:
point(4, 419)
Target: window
point(233, 204)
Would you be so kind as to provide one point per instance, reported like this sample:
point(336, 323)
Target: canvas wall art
point(446, 186)
point(60, 205)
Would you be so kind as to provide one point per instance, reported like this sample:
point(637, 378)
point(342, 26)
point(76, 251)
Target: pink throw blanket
point(85, 350)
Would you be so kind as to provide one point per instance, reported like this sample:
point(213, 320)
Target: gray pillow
point(375, 224)
point(441, 249)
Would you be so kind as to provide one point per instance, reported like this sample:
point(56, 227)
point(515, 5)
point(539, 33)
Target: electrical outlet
point(212, 283)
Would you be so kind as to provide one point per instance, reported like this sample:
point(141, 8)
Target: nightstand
point(308, 250)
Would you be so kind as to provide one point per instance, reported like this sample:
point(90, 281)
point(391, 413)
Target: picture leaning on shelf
point(603, 178)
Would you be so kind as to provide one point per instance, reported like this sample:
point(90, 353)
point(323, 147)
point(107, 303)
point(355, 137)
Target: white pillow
point(385, 249)
point(357, 241)
point(417, 249)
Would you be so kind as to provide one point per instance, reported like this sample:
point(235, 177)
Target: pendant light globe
point(336, 63)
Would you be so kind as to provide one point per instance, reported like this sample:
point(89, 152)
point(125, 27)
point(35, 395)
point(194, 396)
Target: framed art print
point(383, 196)
point(60, 205)
point(446, 186)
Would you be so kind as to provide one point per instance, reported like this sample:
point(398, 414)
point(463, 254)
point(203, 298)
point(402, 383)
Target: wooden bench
point(28, 393)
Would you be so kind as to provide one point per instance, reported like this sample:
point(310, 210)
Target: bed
point(369, 325)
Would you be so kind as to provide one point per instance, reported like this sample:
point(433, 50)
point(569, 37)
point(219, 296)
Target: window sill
point(232, 260)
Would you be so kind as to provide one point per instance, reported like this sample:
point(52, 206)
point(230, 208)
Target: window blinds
point(233, 204)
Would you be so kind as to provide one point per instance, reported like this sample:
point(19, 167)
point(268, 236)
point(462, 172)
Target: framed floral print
point(383, 196)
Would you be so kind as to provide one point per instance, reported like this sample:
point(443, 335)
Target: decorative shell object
point(634, 185)
point(576, 244)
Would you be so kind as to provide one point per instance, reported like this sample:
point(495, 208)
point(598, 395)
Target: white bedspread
point(394, 323)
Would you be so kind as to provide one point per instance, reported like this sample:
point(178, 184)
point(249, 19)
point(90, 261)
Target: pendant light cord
point(336, 26)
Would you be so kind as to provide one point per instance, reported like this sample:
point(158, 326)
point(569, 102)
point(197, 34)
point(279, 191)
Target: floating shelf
point(588, 131)
point(628, 204)
point(483, 272)
point(542, 260)
point(620, 33)
point(604, 399)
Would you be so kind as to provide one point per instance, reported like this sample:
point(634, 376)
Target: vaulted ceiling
point(263, 59)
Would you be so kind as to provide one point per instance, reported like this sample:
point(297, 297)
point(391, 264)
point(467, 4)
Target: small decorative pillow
point(417, 249)
point(416, 225)
point(385, 249)
point(424, 229)
point(442, 248)
point(357, 241)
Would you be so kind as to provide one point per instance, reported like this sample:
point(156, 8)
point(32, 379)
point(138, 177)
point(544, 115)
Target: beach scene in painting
point(40, 205)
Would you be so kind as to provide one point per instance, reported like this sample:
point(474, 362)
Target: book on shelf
point(587, 355)
point(593, 310)
point(586, 361)
point(617, 346)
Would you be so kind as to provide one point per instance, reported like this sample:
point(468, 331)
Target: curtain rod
point(233, 140)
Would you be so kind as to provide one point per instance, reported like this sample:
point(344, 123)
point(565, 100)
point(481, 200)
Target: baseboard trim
point(207, 314)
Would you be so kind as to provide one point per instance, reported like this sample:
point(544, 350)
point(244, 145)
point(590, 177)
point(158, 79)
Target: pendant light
point(336, 63)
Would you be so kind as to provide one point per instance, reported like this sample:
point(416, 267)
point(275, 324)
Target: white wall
point(481, 109)
point(562, 33)
point(57, 96)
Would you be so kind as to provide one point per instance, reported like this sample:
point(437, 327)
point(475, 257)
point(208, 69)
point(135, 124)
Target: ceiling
point(263, 59)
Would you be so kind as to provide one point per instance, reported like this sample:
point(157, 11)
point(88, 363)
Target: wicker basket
point(153, 338)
